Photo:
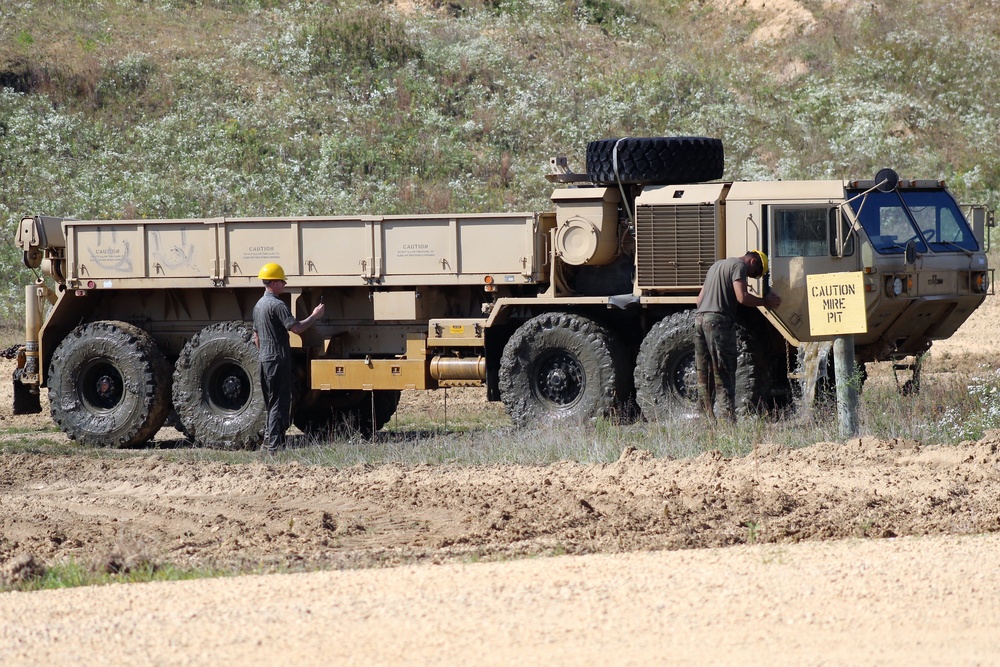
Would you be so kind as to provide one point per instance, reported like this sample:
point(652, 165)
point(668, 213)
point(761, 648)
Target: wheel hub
point(105, 387)
point(101, 387)
point(227, 387)
point(557, 379)
point(560, 379)
point(684, 377)
point(232, 387)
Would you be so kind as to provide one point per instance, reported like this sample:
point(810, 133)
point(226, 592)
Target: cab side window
point(809, 232)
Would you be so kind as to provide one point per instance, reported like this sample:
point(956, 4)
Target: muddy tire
point(825, 388)
point(753, 374)
point(342, 414)
point(217, 393)
point(666, 379)
point(561, 367)
point(655, 160)
point(109, 385)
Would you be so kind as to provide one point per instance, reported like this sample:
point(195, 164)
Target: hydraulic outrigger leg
point(26, 396)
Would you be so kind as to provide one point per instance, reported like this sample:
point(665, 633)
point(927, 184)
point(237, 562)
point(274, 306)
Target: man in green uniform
point(272, 320)
point(724, 291)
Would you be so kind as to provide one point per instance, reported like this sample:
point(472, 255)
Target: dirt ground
point(860, 552)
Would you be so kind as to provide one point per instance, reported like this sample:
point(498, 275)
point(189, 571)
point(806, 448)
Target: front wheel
point(561, 367)
point(217, 392)
point(109, 384)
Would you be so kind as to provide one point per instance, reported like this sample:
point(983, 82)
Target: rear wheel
point(109, 384)
point(217, 393)
point(562, 367)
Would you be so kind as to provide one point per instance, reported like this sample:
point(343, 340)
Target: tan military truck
point(578, 312)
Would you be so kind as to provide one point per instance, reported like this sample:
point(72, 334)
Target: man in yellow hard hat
point(272, 320)
point(722, 295)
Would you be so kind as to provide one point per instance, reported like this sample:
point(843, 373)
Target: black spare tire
point(109, 384)
point(655, 160)
point(217, 393)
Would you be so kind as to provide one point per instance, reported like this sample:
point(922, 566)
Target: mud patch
point(250, 516)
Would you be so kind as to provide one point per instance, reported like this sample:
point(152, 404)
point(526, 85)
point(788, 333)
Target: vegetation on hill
point(177, 108)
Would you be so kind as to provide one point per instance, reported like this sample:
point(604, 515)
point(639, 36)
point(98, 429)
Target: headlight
point(893, 285)
point(980, 283)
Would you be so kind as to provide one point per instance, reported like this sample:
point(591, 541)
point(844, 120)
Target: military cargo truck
point(578, 312)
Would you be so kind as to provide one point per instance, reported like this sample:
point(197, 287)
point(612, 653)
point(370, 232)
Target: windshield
point(927, 217)
point(941, 223)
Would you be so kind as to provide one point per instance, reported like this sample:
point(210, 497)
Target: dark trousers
point(715, 357)
point(276, 382)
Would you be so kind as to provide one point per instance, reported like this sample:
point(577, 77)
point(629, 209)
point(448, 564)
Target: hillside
point(228, 107)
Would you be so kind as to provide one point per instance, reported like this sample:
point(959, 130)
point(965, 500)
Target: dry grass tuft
point(128, 556)
point(21, 569)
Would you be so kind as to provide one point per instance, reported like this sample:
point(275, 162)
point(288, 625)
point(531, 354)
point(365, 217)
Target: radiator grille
point(675, 245)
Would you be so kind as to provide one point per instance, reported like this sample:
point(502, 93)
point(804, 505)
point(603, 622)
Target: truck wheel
point(666, 378)
point(655, 160)
point(825, 388)
point(753, 374)
point(109, 384)
point(217, 393)
point(665, 375)
point(561, 367)
point(344, 413)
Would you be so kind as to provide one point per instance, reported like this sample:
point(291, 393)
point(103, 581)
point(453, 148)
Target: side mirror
point(910, 253)
point(886, 180)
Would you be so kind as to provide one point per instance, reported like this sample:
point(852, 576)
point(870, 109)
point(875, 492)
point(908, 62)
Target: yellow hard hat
point(763, 260)
point(272, 271)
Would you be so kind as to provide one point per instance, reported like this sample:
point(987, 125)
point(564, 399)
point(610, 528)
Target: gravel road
point(912, 601)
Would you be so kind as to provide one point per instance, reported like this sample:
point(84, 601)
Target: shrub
point(357, 41)
point(128, 77)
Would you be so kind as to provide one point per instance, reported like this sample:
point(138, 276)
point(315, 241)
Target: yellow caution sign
point(836, 304)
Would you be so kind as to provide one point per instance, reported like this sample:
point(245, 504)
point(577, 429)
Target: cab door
point(803, 240)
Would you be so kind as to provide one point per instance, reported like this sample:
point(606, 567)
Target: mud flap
point(27, 400)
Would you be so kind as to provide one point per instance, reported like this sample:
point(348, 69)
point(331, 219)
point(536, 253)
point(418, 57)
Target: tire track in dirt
point(250, 516)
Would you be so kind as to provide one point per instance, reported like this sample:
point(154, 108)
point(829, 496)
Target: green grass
point(71, 574)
